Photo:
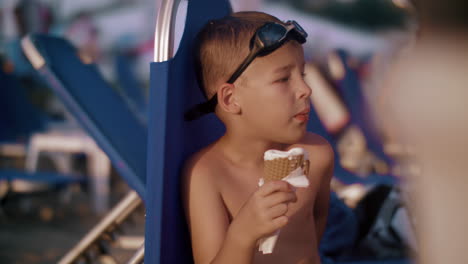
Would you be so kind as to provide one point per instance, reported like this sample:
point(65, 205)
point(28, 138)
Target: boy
point(251, 66)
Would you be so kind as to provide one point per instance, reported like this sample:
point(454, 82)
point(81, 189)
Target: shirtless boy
point(251, 66)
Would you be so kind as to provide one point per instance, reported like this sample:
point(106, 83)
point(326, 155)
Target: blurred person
point(84, 34)
point(354, 154)
point(425, 108)
point(358, 138)
point(330, 108)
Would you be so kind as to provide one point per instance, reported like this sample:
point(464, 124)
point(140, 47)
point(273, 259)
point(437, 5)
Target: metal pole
point(138, 257)
point(121, 211)
point(164, 33)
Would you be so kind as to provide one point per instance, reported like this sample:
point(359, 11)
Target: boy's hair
point(223, 44)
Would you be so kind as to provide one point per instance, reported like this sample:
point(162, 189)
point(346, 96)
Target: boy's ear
point(227, 99)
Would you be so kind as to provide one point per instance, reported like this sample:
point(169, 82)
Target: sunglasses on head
point(267, 38)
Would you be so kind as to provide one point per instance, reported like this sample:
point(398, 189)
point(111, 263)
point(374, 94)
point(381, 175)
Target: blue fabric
point(18, 117)
point(15, 54)
point(351, 90)
point(97, 107)
point(338, 241)
point(341, 230)
point(171, 140)
point(129, 82)
point(40, 177)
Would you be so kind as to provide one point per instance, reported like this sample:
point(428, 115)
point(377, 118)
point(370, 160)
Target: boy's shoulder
point(320, 151)
point(202, 165)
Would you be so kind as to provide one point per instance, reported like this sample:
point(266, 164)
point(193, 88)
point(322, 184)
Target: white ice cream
point(276, 154)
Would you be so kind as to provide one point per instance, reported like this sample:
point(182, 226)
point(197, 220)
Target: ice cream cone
point(279, 167)
point(291, 166)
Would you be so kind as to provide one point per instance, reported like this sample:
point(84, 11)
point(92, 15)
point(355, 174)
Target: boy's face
point(274, 99)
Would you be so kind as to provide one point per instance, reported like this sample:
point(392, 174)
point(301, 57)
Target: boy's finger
point(280, 222)
point(274, 186)
point(278, 210)
point(280, 197)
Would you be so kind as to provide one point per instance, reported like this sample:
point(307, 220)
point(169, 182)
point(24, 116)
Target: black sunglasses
point(267, 39)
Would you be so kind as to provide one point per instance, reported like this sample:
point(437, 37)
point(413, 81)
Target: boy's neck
point(246, 151)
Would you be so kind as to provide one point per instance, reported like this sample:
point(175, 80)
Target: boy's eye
point(303, 75)
point(284, 79)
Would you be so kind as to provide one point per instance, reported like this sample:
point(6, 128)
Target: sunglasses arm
point(245, 64)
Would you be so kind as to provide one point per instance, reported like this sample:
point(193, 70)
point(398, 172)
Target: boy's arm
point(209, 223)
point(323, 196)
point(214, 239)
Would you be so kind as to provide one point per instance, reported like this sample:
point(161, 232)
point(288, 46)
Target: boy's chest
point(236, 191)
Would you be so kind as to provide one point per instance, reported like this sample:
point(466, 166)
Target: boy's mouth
point(303, 116)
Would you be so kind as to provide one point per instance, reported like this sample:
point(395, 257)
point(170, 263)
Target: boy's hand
point(264, 212)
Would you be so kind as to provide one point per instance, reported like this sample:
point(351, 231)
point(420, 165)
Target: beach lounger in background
point(105, 116)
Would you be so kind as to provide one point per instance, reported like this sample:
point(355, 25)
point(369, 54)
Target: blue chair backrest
point(171, 139)
point(129, 83)
point(99, 109)
point(351, 89)
point(18, 116)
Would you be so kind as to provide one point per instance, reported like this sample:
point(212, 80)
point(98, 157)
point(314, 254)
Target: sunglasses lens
point(271, 33)
point(299, 28)
point(298, 31)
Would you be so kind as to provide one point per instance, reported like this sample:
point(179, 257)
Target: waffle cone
point(279, 168)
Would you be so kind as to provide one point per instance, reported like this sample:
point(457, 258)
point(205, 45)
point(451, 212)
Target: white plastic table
point(70, 142)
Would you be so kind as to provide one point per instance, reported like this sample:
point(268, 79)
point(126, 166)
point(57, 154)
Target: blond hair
point(223, 44)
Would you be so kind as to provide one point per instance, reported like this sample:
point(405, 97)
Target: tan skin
point(227, 212)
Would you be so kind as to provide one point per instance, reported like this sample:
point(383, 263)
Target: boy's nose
point(304, 90)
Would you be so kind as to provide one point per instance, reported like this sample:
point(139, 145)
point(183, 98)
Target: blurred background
point(351, 48)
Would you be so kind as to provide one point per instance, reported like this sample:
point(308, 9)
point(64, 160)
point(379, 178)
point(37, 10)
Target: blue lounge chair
point(99, 109)
point(18, 120)
point(172, 140)
point(104, 114)
point(17, 113)
point(351, 89)
point(130, 85)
